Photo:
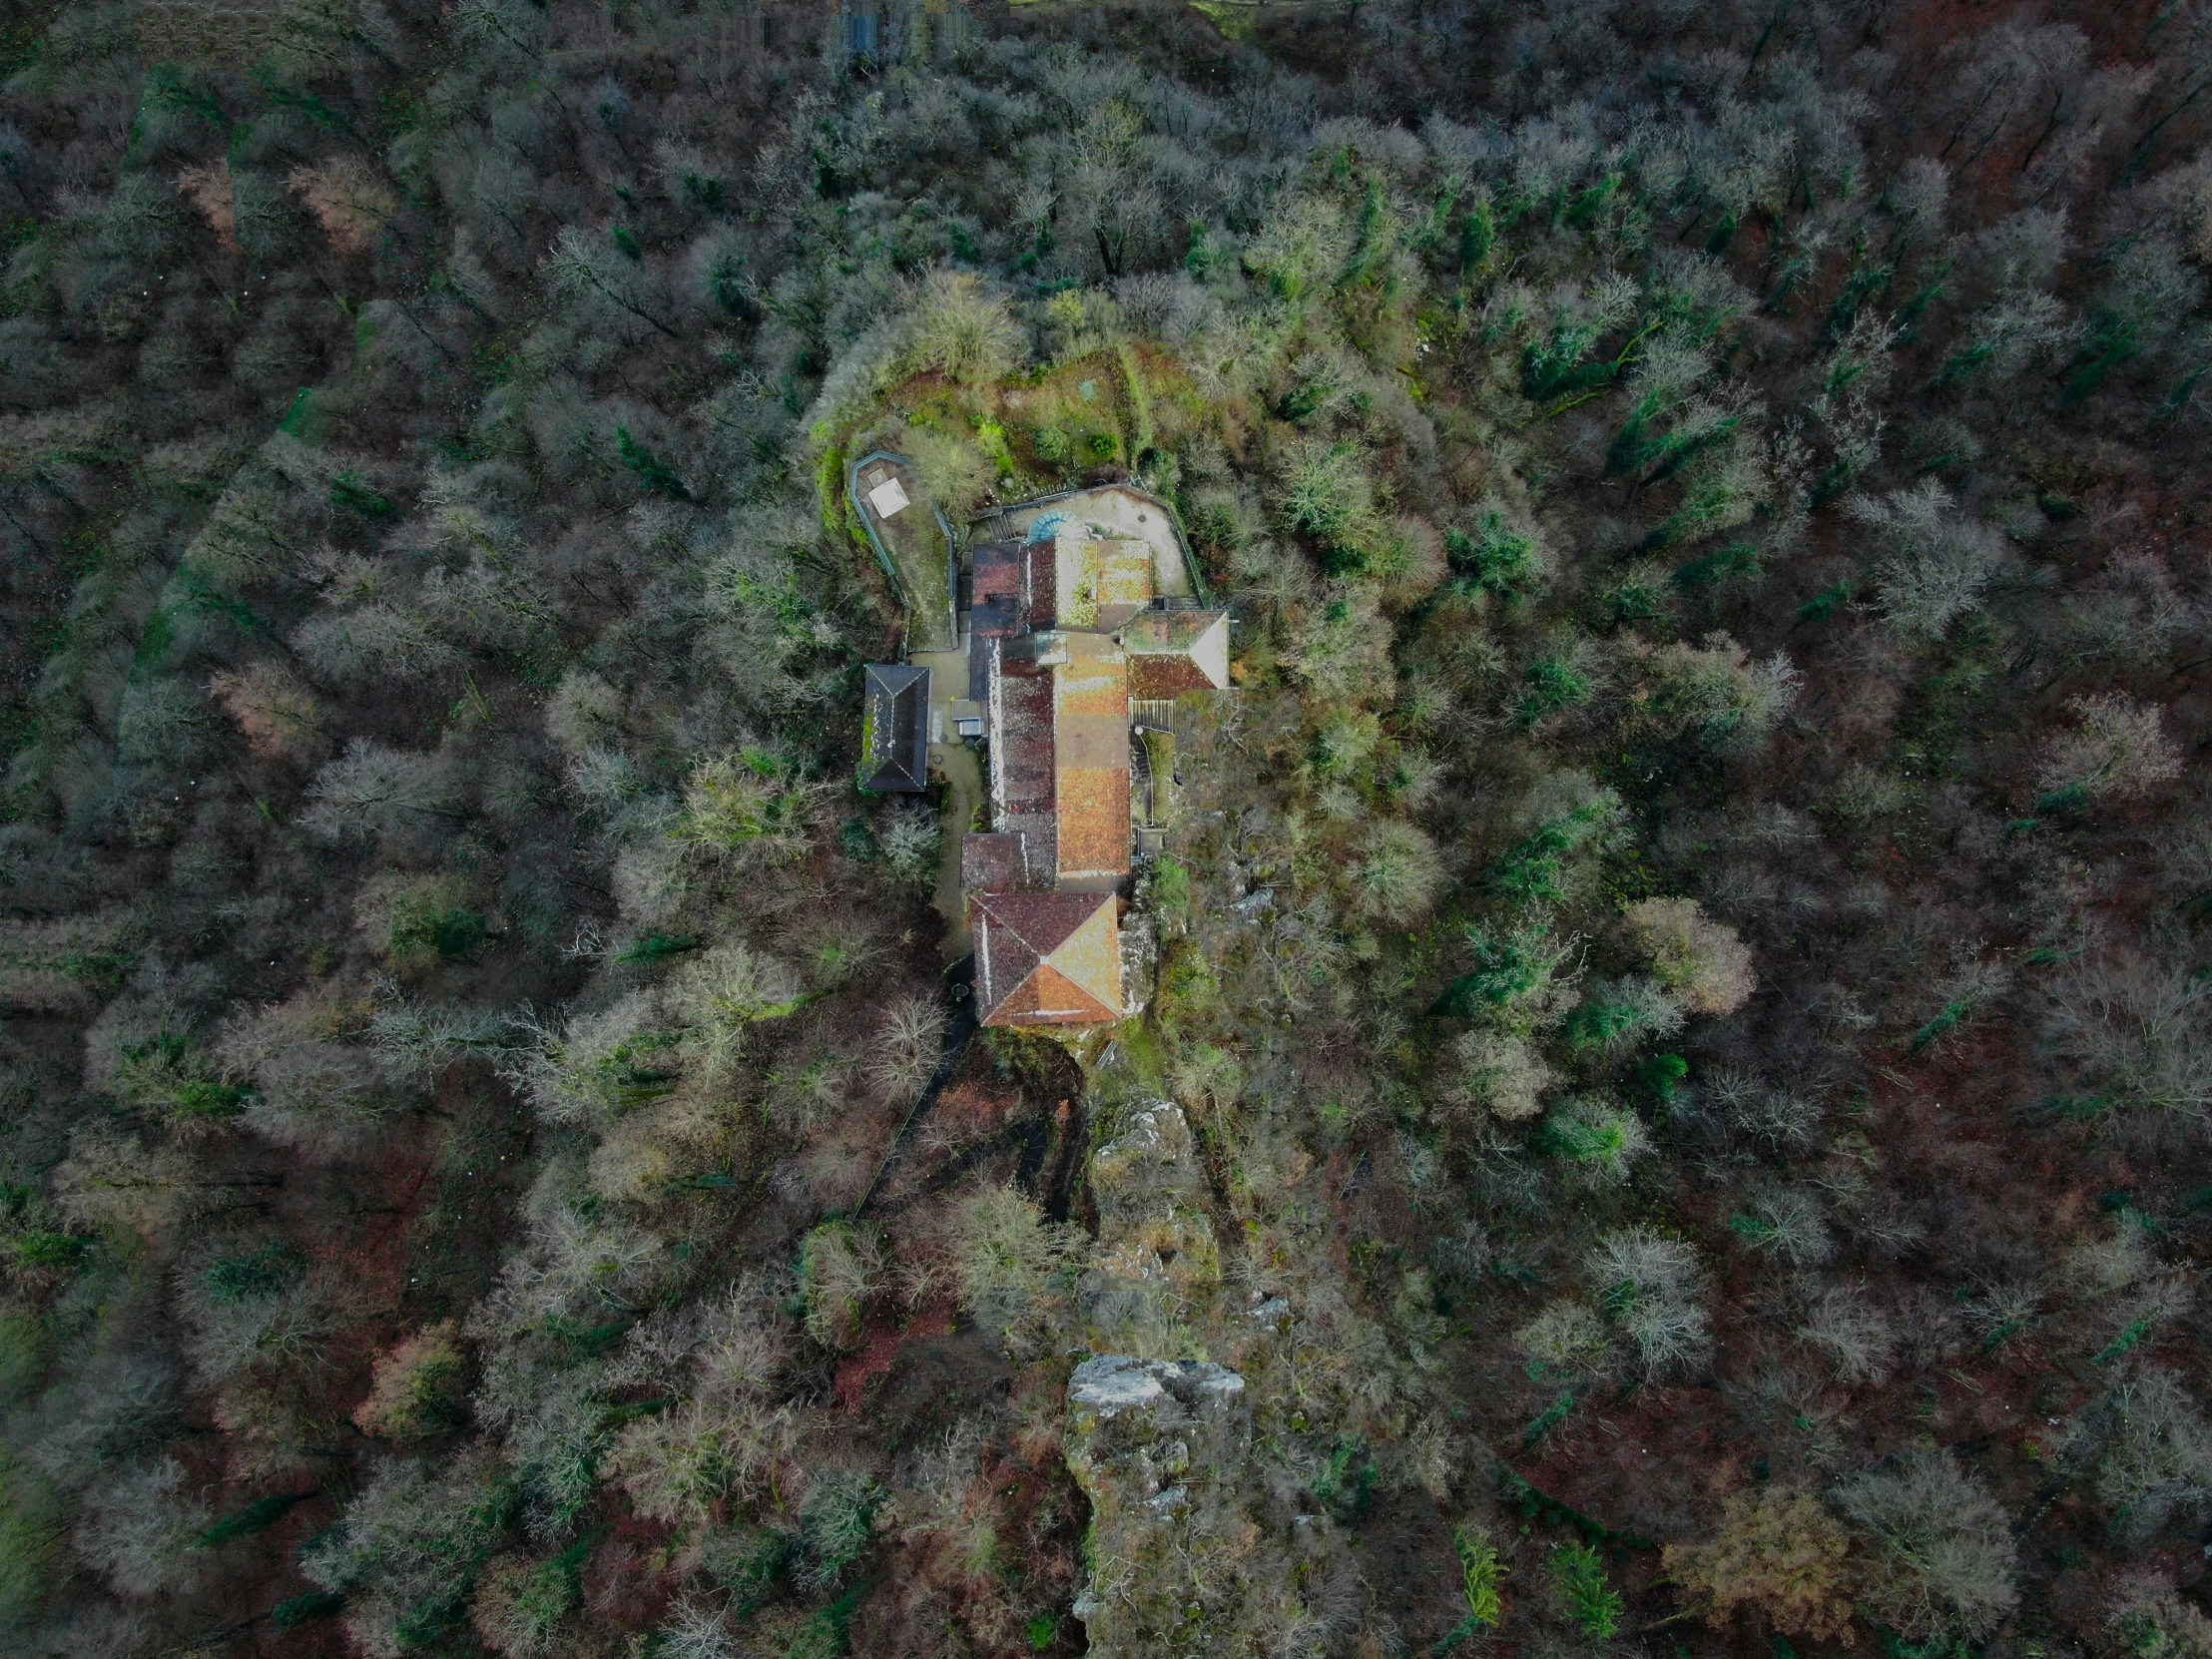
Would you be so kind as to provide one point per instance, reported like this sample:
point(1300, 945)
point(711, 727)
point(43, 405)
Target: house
point(1078, 607)
point(1046, 959)
point(1019, 727)
point(894, 730)
point(1057, 721)
point(1099, 582)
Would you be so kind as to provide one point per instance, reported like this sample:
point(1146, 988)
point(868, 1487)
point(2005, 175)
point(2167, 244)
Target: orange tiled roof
point(1090, 756)
point(1099, 580)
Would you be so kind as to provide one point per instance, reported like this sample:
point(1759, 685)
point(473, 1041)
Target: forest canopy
point(1664, 1099)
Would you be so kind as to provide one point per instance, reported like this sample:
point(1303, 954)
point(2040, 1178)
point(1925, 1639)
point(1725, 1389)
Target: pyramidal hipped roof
point(1046, 959)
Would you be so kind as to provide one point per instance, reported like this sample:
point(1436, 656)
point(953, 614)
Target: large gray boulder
point(1107, 1384)
point(1160, 1447)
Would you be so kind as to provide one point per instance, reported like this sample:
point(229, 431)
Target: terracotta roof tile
point(1172, 651)
point(1046, 959)
point(1090, 756)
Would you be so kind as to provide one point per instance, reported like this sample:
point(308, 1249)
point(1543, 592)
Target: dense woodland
point(1678, 1054)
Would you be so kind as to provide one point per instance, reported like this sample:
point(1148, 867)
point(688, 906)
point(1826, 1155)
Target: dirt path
point(963, 802)
point(960, 1025)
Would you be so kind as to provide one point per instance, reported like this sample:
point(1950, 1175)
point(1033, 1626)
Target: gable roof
point(1046, 959)
point(1173, 652)
point(895, 728)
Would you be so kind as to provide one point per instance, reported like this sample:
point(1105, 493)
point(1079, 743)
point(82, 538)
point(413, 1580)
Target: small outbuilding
point(894, 730)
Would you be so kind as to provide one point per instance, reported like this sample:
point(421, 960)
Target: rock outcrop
point(1159, 1446)
point(1202, 1542)
point(1157, 1278)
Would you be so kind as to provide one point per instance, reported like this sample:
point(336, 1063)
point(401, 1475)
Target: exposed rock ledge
point(1159, 1446)
point(1107, 1384)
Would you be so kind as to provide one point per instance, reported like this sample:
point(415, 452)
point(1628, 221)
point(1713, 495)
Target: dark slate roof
point(896, 730)
point(1018, 723)
point(993, 862)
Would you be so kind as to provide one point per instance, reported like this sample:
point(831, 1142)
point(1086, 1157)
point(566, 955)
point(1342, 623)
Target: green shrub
point(1168, 886)
point(31, 1533)
point(449, 934)
point(1619, 1012)
point(172, 1074)
point(1508, 969)
point(1558, 365)
point(1532, 868)
point(25, 1350)
point(1662, 1074)
point(1214, 525)
point(1550, 1417)
point(1478, 234)
point(649, 469)
point(1598, 1026)
point(349, 494)
point(1641, 593)
point(1737, 559)
point(1592, 1604)
point(726, 277)
point(829, 1633)
point(257, 1517)
point(749, 1563)
point(1205, 256)
point(1601, 1138)
point(659, 947)
point(1494, 558)
point(253, 1276)
point(1481, 1575)
point(1552, 685)
point(836, 1523)
point(521, 1604)
point(295, 1611)
point(1719, 495)
point(2113, 340)
point(40, 1250)
point(1346, 1484)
